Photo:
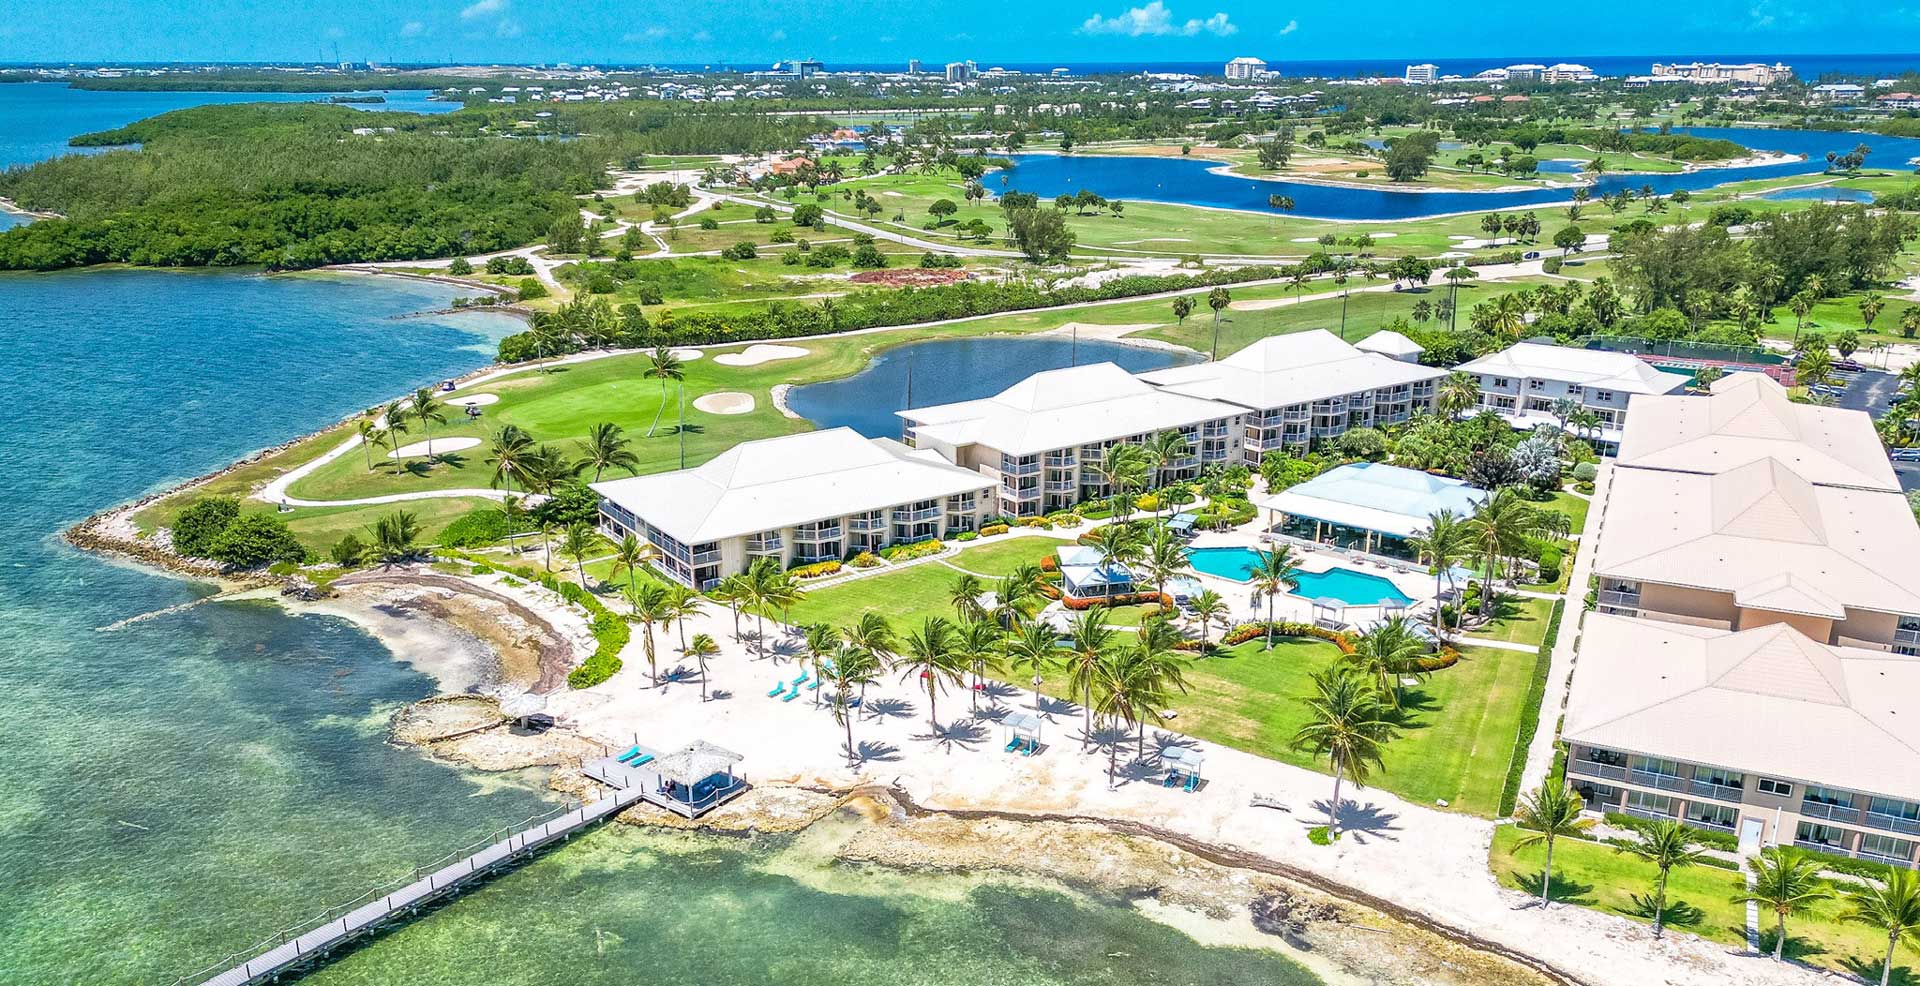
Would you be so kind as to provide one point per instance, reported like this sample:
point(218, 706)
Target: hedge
point(1711, 838)
point(992, 529)
point(918, 549)
point(1530, 712)
point(815, 570)
point(1123, 599)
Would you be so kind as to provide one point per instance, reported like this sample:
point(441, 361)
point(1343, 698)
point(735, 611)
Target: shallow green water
point(620, 907)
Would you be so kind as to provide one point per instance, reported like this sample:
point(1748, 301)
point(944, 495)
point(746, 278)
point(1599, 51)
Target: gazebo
point(699, 775)
point(1182, 524)
point(1183, 767)
point(1088, 575)
point(1023, 733)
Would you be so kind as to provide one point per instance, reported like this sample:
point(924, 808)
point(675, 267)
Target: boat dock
point(688, 782)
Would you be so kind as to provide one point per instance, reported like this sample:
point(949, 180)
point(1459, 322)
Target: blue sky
point(756, 31)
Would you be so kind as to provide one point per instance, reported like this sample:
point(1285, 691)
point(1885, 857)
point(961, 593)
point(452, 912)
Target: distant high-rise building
point(1423, 73)
point(960, 71)
point(807, 68)
point(1751, 73)
point(913, 66)
point(1525, 72)
point(1246, 68)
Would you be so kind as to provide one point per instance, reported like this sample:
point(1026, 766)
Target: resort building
point(1424, 72)
point(1744, 509)
point(1301, 390)
point(1042, 440)
point(1763, 733)
point(1522, 383)
point(1246, 67)
point(1366, 506)
point(801, 498)
point(1749, 73)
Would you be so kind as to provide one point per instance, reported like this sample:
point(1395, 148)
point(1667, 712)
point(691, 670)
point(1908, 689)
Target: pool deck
point(1247, 604)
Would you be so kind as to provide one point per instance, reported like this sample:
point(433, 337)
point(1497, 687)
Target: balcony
point(1619, 599)
point(1063, 486)
point(1837, 813)
point(867, 525)
point(1830, 848)
point(1665, 782)
point(1594, 768)
point(1718, 792)
point(763, 546)
point(917, 516)
point(1213, 429)
point(1329, 431)
point(1337, 405)
point(1892, 823)
point(815, 535)
point(1639, 812)
point(1021, 493)
point(1060, 460)
point(1011, 468)
point(1363, 399)
point(1092, 454)
point(1907, 637)
point(709, 557)
point(1215, 454)
point(1184, 462)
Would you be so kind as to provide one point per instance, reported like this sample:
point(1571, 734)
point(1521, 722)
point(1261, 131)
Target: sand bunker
point(759, 353)
point(1154, 239)
point(474, 400)
point(688, 355)
point(728, 402)
point(441, 446)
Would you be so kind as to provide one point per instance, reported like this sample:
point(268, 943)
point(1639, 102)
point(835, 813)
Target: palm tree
point(1891, 905)
point(929, 653)
point(650, 607)
point(370, 435)
point(1273, 574)
point(872, 636)
point(1459, 393)
point(393, 420)
point(429, 411)
point(823, 640)
point(732, 591)
point(1813, 369)
point(577, 544)
point(1785, 880)
point(1123, 468)
point(1665, 844)
point(759, 589)
point(1164, 558)
point(1118, 543)
point(1015, 593)
point(1033, 648)
point(1126, 689)
point(394, 537)
point(606, 448)
point(1089, 641)
point(1346, 724)
point(965, 597)
point(1208, 609)
point(629, 556)
point(1498, 530)
point(852, 668)
point(1444, 543)
point(1165, 671)
point(1546, 815)
point(977, 642)
point(683, 604)
point(664, 364)
point(700, 648)
point(1162, 448)
point(1385, 653)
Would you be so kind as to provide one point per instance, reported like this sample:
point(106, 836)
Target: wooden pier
point(688, 782)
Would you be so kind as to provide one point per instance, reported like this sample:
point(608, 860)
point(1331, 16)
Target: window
point(1893, 809)
point(1654, 765)
point(1886, 847)
point(1823, 835)
point(1502, 382)
point(1656, 803)
point(1779, 789)
point(1603, 395)
point(1717, 816)
point(1612, 758)
point(1827, 796)
point(1715, 775)
point(1536, 385)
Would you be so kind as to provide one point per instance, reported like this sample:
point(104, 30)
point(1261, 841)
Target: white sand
point(689, 355)
point(759, 353)
point(1154, 239)
point(441, 446)
point(728, 402)
point(474, 400)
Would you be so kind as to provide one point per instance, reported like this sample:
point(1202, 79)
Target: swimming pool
point(1345, 584)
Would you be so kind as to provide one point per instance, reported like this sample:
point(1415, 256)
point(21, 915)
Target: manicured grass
point(1520, 620)
point(1574, 507)
point(1460, 723)
point(1699, 900)
point(910, 595)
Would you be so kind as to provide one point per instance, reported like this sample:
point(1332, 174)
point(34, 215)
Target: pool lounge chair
point(1193, 783)
point(632, 751)
point(790, 696)
point(777, 689)
point(641, 761)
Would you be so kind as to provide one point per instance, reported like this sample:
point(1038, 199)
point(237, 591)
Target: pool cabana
point(1182, 524)
point(699, 776)
point(1183, 768)
point(1023, 733)
point(1368, 507)
point(1086, 575)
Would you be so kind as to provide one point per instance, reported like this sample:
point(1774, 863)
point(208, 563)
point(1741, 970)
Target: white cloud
point(482, 9)
point(412, 29)
point(777, 35)
point(1156, 20)
point(1291, 27)
point(702, 36)
point(654, 33)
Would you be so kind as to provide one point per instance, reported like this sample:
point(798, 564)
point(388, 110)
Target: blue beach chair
point(790, 696)
point(632, 751)
point(777, 689)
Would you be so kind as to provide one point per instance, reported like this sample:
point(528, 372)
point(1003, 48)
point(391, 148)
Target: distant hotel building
point(913, 66)
point(1246, 68)
point(961, 72)
point(1423, 73)
point(1568, 72)
point(1521, 383)
point(1749, 73)
point(1525, 72)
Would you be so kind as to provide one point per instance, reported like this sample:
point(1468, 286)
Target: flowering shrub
point(966, 536)
point(992, 529)
point(1123, 599)
point(815, 570)
point(865, 559)
point(1049, 563)
point(919, 549)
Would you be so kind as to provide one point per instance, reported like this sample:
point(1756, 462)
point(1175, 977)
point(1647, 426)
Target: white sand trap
point(896, 195)
point(1383, 236)
point(1154, 239)
point(689, 355)
point(759, 353)
point(1459, 237)
point(441, 446)
point(728, 402)
point(474, 400)
point(1306, 239)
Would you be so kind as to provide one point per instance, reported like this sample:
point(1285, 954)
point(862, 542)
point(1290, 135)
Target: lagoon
point(1184, 181)
point(947, 370)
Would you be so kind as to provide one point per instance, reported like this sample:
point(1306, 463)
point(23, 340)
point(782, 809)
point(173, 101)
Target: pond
point(1820, 194)
point(1184, 181)
point(947, 370)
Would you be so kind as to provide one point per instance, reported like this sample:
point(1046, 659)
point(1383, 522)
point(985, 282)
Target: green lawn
point(1461, 723)
point(1573, 506)
point(1699, 900)
point(1519, 620)
point(912, 594)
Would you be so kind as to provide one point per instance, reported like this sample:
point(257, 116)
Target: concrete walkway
point(1566, 645)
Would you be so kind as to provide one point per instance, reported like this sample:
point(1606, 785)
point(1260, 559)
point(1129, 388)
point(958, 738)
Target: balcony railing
point(1060, 460)
point(1622, 600)
point(864, 525)
point(1594, 768)
point(1833, 848)
point(1329, 431)
point(1020, 493)
point(1215, 455)
point(1062, 486)
point(1184, 462)
point(763, 546)
point(707, 557)
point(916, 516)
point(1335, 406)
point(1892, 823)
point(1718, 792)
point(1838, 813)
point(1011, 468)
point(815, 535)
point(1665, 782)
point(1907, 636)
point(1639, 812)
point(1363, 399)
point(1213, 430)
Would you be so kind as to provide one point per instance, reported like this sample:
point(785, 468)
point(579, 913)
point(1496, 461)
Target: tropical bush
point(740, 251)
point(477, 527)
point(1586, 472)
point(918, 549)
point(347, 551)
point(255, 539)
point(991, 530)
point(966, 536)
point(815, 570)
point(1123, 599)
point(201, 522)
point(1711, 838)
point(865, 559)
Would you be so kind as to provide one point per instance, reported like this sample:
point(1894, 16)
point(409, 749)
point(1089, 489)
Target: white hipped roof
point(1297, 368)
point(780, 482)
point(1766, 700)
point(1749, 417)
point(1594, 368)
point(1763, 532)
point(1063, 408)
point(1374, 496)
point(1387, 342)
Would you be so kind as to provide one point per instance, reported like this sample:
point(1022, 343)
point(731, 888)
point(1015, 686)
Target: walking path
point(1566, 645)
